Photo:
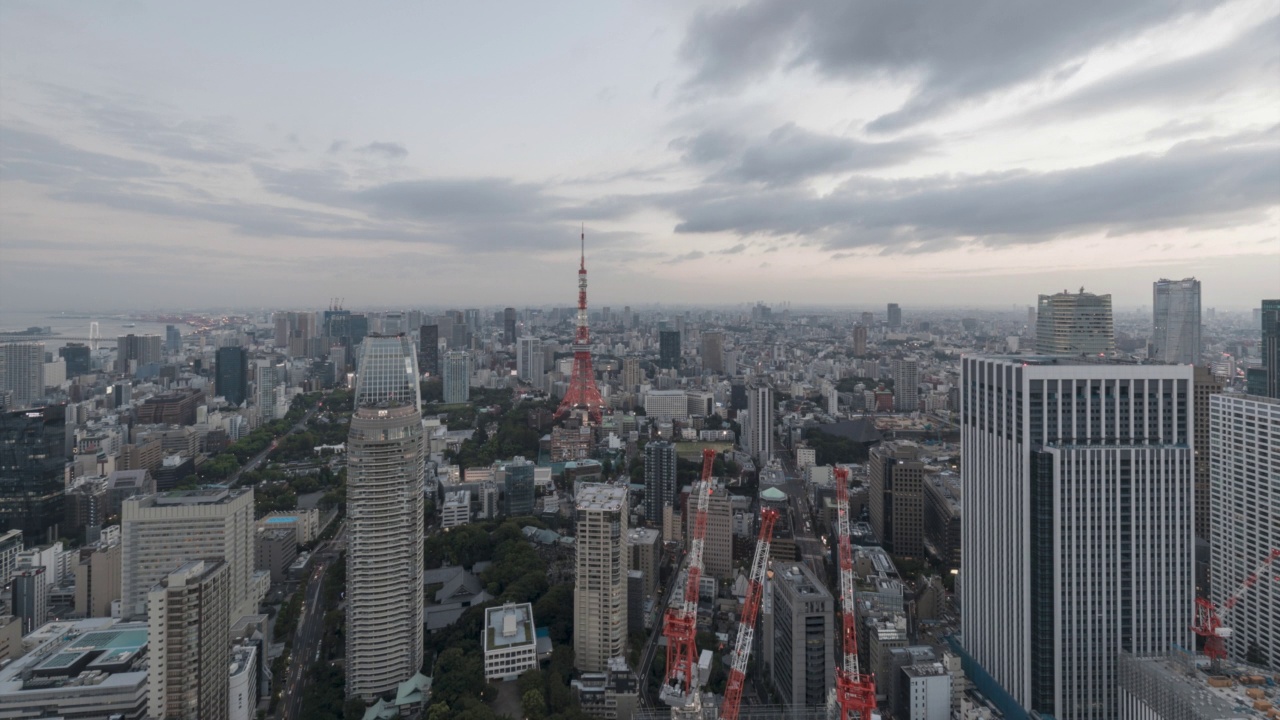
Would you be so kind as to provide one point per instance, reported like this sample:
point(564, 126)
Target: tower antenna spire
point(583, 237)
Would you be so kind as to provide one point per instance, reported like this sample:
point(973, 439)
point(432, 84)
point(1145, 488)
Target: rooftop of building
point(643, 536)
point(930, 669)
point(508, 626)
point(1184, 680)
point(599, 496)
point(242, 657)
point(208, 495)
point(800, 579)
point(98, 652)
point(457, 497)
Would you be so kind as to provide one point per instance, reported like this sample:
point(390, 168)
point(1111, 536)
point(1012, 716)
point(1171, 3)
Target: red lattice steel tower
point(582, 395)
point(855, 691)
point(750, 611)
point(680, 627)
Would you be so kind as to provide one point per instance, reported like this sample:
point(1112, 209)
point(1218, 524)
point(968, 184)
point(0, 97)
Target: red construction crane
point(1209, 619)
point(855, 690)
point(747, 623)
point(680, 690)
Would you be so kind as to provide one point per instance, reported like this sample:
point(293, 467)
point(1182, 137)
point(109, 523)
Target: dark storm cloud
point(955, 51)
point(390, 150)
point(1206, 184)
point(40, 159)
point(707, 146)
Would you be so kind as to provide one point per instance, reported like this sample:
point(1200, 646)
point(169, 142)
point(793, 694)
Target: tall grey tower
point(760, 421)
point(1075, 324)
point(1175, 334)
point(385, 459)
point(1078, 529)
point(600, 595)
point(659, 479)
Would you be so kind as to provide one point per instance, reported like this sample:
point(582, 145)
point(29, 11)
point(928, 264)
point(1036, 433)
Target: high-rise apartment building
point(160, 532)
point(1078, 523)
point(1206, 385)
point(22, 372)
point(799, 635)
point(1244, 442)
point(97, 574)
point(645, 545)
point(457, 376)
point(385, 463)
point(509, 326)
point(669, 349)
point(429, 350)
point(1271, 345)
point(1175, 334)
point(600, 593)
point(188, 638)
point(134, 351)
point(659, 479)
point(231, 373)
point(759, 429)
point(632, 376)
point(896, 497)
point(1074, 324)
point(36, 448)
point(388, 373)
point(894, 316)
point(713, 351)
point(268, 376)
point(518, 487)
point(859, 340)
point(529, 359)
point(717, 551)
point(906, 385)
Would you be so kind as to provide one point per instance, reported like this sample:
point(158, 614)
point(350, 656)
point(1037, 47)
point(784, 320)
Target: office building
point(387, 373)
point(172, 408)
point(36, 449)
point(457, 377)
point(646, 557)
point(10, 548)
point(78, 359)
point(1206, 385)
point(456, 509)
point(759, 426)
point(669, 349)
point(717, 551)
point(231, 373)
point(799, 635)
point(22, 372)
point(385, 462)
point(1078, 489)
point(135, 351)
point(600, 593)
point(859, 340)
point(172, 339)
point(510, 641)
point(925, 690)
point(942, 518)
point(162, 531)
point(429, 350)
point(1271, 345)
point(713, 351)
point(896, 477)
point(659, 479)
point(1074, 324)
point(1175, 333)
point(1244, 476)
point(509, 326)
point(894, 316)
point(518, 487)
point(189, 631)
point(529, 360)
point(275, 550)
point(97, 574)
point(30, 596)
point(666, 404)
point(242, 683)
point(93, 669)
point(906, 385)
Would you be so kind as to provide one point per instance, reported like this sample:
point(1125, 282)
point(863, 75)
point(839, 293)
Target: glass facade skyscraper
point(1075, 324)
point(387, 373)
point(232, 374)
point(34, 447)
point(1175, 334)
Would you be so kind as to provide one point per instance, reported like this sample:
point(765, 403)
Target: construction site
point(1184, 686)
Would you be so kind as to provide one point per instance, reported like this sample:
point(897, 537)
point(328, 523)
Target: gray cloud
point(707, 146)
point(685, 257)
point(38, 158)
point(391, 150)
point(1195, 185)
point(956, 51)
point(736, 249)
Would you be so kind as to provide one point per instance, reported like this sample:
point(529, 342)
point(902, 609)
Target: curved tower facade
point(388, 372)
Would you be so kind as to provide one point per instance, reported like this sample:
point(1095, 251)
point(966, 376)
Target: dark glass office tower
point(1271, 345)
point(76, 356)
point(232, 374)
point(669, 349)
point(34, 448)
point(429, 350)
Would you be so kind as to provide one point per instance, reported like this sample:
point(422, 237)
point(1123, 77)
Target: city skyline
point(711, 151)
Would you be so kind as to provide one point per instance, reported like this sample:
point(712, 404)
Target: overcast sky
point(823, 152)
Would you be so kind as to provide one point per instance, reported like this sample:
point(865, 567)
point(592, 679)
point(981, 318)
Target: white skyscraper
point(457, 376)
point(529, 359)
point(22, 371)
point(1175, 335)
point(600, 594)
point(759, 428)
point(1075, 324)
point(906, 385)
point(1244, 492)
point(388, 372)
point(269, 376)
point(384, 556)
point(1078, 528)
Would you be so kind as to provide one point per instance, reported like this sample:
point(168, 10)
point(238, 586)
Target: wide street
point(306, 641)
point(256, 460)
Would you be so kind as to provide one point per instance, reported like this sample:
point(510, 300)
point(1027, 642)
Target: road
point(306, 640)
point(651, 645)
point(256, 460)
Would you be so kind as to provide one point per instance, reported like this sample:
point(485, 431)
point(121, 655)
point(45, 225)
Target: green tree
point(533, 704)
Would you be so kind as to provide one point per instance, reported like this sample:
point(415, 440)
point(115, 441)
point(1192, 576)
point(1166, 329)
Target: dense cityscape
point(695, 360)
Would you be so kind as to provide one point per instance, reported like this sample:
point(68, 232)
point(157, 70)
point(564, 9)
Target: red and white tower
point(582, 395)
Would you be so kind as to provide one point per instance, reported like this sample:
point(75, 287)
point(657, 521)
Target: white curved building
point(384, 553)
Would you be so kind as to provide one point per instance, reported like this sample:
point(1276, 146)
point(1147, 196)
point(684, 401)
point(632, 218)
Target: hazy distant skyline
point(833, 152)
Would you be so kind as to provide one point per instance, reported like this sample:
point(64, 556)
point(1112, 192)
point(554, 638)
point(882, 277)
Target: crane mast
point(680, 690)
point(747, 623)
point(1209, 622)
point(855, 693)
